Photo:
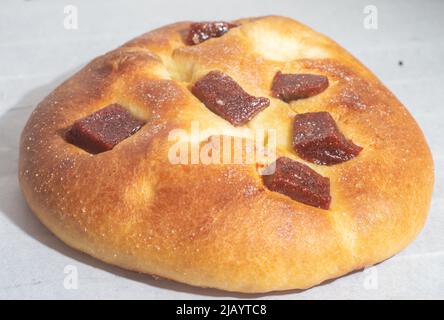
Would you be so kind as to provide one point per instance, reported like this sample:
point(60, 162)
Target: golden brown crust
point(216, 225)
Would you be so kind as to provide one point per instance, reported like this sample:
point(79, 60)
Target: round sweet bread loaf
point(351, 177)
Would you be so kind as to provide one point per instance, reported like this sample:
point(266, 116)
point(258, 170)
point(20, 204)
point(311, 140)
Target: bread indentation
point(281, 46)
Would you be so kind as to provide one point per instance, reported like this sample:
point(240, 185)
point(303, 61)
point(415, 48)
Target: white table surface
point(37, 53)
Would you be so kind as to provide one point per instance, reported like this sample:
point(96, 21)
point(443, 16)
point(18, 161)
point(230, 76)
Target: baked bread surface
point(218, 225)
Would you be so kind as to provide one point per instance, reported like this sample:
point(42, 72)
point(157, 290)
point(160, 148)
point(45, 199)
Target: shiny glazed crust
point(217, 225)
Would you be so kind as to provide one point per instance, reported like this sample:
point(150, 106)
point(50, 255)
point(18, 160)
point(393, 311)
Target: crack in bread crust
point(216, 225)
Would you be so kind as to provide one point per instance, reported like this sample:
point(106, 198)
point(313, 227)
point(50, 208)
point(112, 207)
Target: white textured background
point(37, 53)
